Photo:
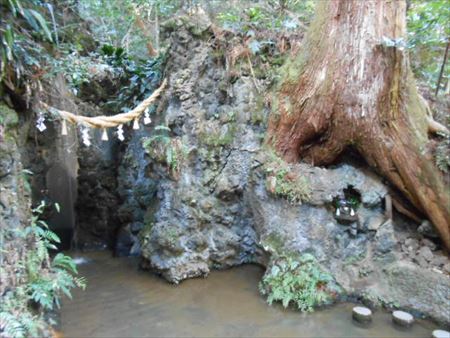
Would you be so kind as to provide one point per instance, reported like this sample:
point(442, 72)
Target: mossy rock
point(8, 116)
point(219, 138)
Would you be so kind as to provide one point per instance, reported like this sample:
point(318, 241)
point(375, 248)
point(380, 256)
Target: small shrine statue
point(344, 207)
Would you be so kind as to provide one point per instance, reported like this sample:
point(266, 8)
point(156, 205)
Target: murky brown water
point(121, 301)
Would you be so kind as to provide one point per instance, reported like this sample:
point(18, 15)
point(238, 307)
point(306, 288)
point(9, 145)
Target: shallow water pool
point(121, 301)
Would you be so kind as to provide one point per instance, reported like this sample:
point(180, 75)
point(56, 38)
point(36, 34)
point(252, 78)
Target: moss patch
point(168, 151)
point(218, 138)
point(8, 117)
point(283, 182)
point(273, 243)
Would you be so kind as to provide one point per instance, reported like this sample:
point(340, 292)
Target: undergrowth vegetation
point(143, 76)
point(37, 281)
point(283, 182)
point(428, 35)
point(300, 282)
point(166, 150)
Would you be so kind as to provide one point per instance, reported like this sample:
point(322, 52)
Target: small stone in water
point(440, 334)
point(402, 318)
point(362, 314)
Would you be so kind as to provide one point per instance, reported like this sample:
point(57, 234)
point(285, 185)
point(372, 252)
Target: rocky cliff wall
point(15, 197)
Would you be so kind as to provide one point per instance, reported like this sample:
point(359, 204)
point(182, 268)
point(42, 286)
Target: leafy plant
point(283, 182)
point(277, 15)
point(165, 149)
point(13, 55)
point(76, 68)
point(301, 282)
point(143, 76)
point(26, 173)
point(428, 34)
point(39, 279)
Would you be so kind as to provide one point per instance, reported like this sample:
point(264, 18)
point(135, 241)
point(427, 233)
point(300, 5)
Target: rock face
point(15, 197)
point(222, 207)
point(98, 202)
point(137, 191)
point(202, 221)
point(52, 158)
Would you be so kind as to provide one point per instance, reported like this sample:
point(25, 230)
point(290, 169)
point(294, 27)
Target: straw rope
point(109, 121)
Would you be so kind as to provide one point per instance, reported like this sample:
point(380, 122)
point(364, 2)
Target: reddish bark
point(351, 85)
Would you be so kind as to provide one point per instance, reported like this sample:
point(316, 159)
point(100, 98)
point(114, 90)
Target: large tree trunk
point(351, 85)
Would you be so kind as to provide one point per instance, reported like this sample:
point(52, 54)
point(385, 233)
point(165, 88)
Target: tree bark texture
point(351, 86)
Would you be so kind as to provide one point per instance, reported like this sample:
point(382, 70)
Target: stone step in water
point(440, 334)
point(402, 318)
point(362, 314)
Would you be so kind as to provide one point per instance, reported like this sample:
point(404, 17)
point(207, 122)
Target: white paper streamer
point(40, 125)
point(147, 119)
point(85, 136)
point(120, 132)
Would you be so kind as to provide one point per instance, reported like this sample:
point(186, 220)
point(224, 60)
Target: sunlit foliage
point(428, 35)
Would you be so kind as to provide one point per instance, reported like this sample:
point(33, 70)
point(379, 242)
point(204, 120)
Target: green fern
point(11, 326)
point(64, 262)
point(43, 280)
point(301, 282)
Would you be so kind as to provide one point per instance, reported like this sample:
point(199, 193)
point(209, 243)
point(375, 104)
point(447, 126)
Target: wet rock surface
point(98, 201)
point(137, 193)
point(52, 159)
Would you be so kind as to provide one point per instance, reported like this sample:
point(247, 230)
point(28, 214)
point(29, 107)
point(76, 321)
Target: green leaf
point(13, 7)
point(65, 262)
point(31, 20)
point(3, 65)
point(43, 223)
point(50, 235)
point(42, 23)
point(8, 42)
